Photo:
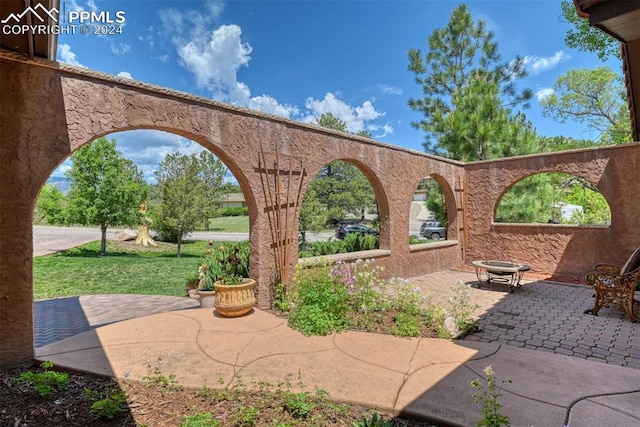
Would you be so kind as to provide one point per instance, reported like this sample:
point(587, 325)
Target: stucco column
point(33, 140)
point(16, 245)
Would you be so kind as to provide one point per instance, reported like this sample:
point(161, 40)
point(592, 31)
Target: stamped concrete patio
point(426, 378)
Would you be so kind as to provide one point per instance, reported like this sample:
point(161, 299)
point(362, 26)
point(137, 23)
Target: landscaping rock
point(124, 235)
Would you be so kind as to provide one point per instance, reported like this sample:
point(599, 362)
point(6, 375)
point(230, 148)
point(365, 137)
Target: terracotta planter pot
point(206, 298)
point(235, 300)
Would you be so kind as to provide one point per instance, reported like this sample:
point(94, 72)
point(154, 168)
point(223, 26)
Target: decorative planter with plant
point(225, 270)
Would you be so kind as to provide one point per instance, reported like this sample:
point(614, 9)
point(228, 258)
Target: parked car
point(343, 230)
point(433, 230)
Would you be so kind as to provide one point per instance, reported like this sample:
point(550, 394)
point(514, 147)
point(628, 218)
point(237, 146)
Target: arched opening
point(341, 210)
point(128, 267)
point(429, 219)
point(553, 198)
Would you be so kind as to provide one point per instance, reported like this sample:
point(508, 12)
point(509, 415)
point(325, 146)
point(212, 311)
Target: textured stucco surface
point(550, 248)
point(49, 110)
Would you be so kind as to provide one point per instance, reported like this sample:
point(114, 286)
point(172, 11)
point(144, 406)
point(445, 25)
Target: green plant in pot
point(225, 270)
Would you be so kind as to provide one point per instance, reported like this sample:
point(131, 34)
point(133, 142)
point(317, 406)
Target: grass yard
point(230, 224)
point(126, 269)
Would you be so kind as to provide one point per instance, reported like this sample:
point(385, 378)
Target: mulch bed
point(158, 406)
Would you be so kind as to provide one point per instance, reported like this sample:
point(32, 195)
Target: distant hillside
point(61, 182)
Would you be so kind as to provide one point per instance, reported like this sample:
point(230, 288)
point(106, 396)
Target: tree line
point(471, 107)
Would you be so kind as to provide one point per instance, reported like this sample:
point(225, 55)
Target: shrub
point(461, 309)
point(414, 240)
point(331, 297)
point(299, 405)
point(406, 325)
point(353, 242)
point(235, 211)
point(320, 302)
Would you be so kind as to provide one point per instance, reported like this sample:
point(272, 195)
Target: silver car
point(433, 230)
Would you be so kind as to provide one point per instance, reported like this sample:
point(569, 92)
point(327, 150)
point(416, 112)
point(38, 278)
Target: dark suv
point(433, 230)
point(343, 230)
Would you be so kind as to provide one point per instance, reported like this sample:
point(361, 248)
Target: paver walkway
point(544, 316)
point(60, 318)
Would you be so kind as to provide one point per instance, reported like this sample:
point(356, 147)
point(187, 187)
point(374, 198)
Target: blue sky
point(301, 58)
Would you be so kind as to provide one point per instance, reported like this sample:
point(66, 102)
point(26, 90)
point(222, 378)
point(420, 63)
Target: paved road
point(49, 240)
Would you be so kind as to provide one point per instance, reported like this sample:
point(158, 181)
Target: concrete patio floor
point(566, 368)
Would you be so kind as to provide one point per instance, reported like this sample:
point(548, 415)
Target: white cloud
point(270, 105)
point(380, 131)
point(125, 74)
point(214, 57)
point(147, 39)
point(544, 93)
point(389, 90)
point(147, 148)
point(354, 117)
point(536, 65)
point(73, 5)
point(66, 55)
point(120, 49)
point(162, 58)
point(191, 24)
point(216, 62)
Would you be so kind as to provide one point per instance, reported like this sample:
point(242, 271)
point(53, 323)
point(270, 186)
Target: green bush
point(352, 243)
point(330, 297)
point(235, 211)
point(299, 405)
point(320, 303)
point(406, 325)
point(414, 240)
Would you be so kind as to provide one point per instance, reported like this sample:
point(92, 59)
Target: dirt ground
point(159, 401)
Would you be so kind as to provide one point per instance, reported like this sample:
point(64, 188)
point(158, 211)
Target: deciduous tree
point(595, 97)
point(190, 189)
point(51, 206)
point(106, 189)
point(587, 38)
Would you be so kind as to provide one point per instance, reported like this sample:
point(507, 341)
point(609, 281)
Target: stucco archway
point(82, 105)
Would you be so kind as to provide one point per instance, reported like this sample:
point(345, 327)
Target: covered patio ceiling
point(30, 43)
point(620, 19)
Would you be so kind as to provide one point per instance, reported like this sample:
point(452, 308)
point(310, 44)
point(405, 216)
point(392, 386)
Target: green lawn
point(126, 269)
point(230, 224)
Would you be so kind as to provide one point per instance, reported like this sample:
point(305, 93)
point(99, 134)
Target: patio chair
point(615, 284)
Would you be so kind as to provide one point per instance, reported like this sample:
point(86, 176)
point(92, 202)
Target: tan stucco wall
point(549, 248)
point(50, 110)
